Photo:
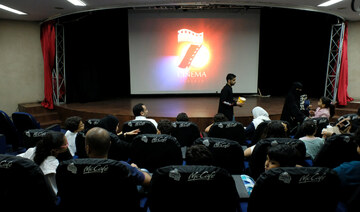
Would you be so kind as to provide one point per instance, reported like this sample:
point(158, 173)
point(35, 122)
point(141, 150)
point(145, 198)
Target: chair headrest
point(295, 189)
point(145, 126)
point(227, 154)
point(190, 173)
point(90, 123)
point(152, 151)
point(18, 164)
point(184, 124)
point(96, 184)
point(155, 139)
point(19, 174)
point(193, 188)
point(217, 143)
point(227, 124)
point(90, 166)
point(186, 132)
point(336, 150)
point(258, 156)
point(299, 176)
point(228, 129)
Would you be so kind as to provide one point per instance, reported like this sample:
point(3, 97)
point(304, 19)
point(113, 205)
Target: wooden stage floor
point(200, 110)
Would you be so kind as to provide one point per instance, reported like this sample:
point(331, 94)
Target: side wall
point(354, 60)
point(21, 64)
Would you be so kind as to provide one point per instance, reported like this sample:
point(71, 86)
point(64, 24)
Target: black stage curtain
point(97, 55)
point(294, 46)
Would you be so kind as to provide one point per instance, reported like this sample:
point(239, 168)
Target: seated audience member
point(112, 125)
point(219, 117)
point(109, 123)
point(275, 129)
point(45, 155)
point(343, 126)
point(349, 175)
point(349, 172)
point(140, 112)
point(355, 122)
point(199, 154)
point(260, 115)
point(281, 155)
point(324, 109)
point(73, 125)
point(182, 117)
point(165, 127)
point(313, 144)
point(97, 144)
point(260, 132)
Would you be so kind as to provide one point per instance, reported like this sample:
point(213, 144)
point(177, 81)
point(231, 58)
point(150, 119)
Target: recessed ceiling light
point(11, 10)
point(328, 3)
point(77, 2)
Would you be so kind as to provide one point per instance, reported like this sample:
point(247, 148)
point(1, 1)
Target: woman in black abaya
point(291, 111)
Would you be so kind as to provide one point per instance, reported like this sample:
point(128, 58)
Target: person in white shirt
point(140, 112)
point(73, 125)
point(45, 155)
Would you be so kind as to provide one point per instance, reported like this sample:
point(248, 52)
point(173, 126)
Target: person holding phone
point(343, 126)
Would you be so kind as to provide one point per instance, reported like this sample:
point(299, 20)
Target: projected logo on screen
point(192, 51)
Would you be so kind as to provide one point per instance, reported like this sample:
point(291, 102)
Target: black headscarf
point(291, 110)
point(109, 123)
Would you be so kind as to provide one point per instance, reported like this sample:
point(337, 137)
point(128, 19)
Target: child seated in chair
point(313, 144)
point(325, 109)
point(73, 125)
point(281, 155)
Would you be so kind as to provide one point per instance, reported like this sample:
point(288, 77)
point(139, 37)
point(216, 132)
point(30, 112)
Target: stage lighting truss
point(58, 73)
point(334, 61)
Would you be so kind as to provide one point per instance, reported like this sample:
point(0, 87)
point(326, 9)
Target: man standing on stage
point(227, 101)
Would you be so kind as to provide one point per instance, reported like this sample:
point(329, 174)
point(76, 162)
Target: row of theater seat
point(93, 184)
point(13, 130)
point(225, 148)
point(227, 153)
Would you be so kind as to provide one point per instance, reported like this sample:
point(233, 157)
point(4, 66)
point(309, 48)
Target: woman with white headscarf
point(260, 115)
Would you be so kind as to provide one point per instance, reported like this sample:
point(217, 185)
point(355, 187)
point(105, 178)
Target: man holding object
point(227, 101)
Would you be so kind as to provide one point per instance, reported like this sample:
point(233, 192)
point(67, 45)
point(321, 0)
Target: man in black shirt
point(227, 101)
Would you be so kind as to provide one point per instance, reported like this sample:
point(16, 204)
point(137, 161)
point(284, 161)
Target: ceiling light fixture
point(77, 2)
point(328, 3)
point(11, 10)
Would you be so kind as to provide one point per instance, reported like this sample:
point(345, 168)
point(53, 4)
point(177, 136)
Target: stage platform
point(200, 110)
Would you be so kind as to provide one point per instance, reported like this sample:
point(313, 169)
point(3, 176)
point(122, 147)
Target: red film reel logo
point(196, 40)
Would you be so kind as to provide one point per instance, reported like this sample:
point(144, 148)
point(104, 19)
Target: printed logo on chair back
point(185, 132)
point(295, 189)
point(258, 157)
point(227, 154)
point(23, 185)
point(229, 130)
point(193, 188)
point(152, 151)
point(96, 184)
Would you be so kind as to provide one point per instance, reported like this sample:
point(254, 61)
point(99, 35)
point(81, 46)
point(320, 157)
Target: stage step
point(352, 105)
point(350, 108)
point(44, 116)
point(344, 111)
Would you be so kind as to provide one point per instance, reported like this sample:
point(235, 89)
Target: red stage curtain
point(342, 94)
point(47, 38)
